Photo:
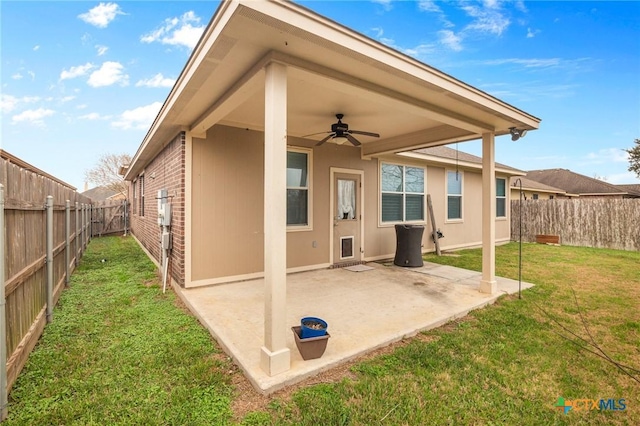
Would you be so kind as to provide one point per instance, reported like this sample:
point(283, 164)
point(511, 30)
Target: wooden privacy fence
point(46, 227)
point(109, 217)
point(589, 222)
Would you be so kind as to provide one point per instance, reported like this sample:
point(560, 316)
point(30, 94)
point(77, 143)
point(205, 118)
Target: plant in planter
point(311, 337)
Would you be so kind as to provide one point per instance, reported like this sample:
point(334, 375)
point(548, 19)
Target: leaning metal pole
point(518, 181)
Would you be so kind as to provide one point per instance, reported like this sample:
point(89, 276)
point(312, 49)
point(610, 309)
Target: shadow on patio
point(365, 310)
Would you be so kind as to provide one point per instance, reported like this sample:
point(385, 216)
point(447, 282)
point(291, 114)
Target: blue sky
point(81, 79)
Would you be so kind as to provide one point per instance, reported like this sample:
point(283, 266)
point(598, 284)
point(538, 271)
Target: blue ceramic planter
point(312, 327)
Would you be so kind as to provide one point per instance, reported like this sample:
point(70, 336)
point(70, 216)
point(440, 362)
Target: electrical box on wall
point(163, 197)
point(165, 216)
point(166, 240)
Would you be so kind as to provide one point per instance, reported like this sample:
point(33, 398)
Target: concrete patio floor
point(364, 310)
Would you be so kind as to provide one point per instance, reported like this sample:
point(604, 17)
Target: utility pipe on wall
point(3, 323)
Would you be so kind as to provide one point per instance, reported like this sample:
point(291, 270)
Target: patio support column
point(488, 283)
point(275, 356)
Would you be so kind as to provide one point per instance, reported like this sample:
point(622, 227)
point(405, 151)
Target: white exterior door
point(347, 217)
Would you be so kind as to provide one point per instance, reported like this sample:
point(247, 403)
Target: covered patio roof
point(330, 69)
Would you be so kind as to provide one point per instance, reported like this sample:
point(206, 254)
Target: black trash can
point(409, 245)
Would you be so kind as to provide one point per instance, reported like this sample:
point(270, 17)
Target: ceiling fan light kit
point(340, 133)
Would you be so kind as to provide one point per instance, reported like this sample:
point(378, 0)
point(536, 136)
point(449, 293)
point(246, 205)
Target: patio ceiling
point(330, 70)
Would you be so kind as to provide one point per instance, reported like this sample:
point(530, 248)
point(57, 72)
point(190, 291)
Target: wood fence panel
point(26, 189)
point(593, 222)
point(108, 217)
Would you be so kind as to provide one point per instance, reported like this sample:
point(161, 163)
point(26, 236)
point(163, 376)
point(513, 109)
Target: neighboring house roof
point(443, 154)
point(532, 185)
point(100, 193)
point(574, 183)
point(631, 189)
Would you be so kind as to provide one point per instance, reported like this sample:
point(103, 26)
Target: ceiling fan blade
point(325, 139)
point(313, 134)
point(359, 132)
point(354, 141)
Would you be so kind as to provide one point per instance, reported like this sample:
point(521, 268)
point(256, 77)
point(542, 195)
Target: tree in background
point(105, 172)
point(634, 158)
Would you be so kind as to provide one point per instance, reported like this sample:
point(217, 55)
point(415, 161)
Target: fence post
point(3, 325)
point(124, 203)
point(82, 227)
point(49, 213)
point(87, 225)
point(76, 255)
point(67, 232)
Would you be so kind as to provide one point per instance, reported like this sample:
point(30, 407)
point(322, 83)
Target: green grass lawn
point(508, 363)
point(121, 352)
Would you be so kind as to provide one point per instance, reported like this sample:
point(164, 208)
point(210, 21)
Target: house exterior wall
point(165, 171)
point(528, 194)
point(227, 207)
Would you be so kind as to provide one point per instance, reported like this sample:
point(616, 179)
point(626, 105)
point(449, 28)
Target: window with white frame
point(141, 187)
point(135, 196)
point(501, 197)
point(402, 193)
point(454, 195)
point(298, 179)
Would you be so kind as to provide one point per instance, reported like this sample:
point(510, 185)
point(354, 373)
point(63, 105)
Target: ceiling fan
point(340, 133)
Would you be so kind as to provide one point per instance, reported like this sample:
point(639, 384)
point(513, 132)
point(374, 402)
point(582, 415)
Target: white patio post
point(275, 355)
point(488, 283)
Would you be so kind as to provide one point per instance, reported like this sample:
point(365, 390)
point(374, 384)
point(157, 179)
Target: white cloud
point(487, 19)
point(608, 155)
point(378, 32)
point(33, 116)
point(532, 33)
point(101, 49)
point(30, 99)
point(8, 103)
point(621, 178)
point(420, 51)
point(157, 80)
point(527, 63)
point(67, 99)
point(138, 118)
point(429, 6)
point(386, 4)
point(101, 15)
point(94, 116)
point(450, 40)
point(183, 31)
point(36, 47)
point(74, 72)
point(109, 73)
point(16, 76)
point(32, 75)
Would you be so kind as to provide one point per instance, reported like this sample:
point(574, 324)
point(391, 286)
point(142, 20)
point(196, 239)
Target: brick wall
point(165, 171)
